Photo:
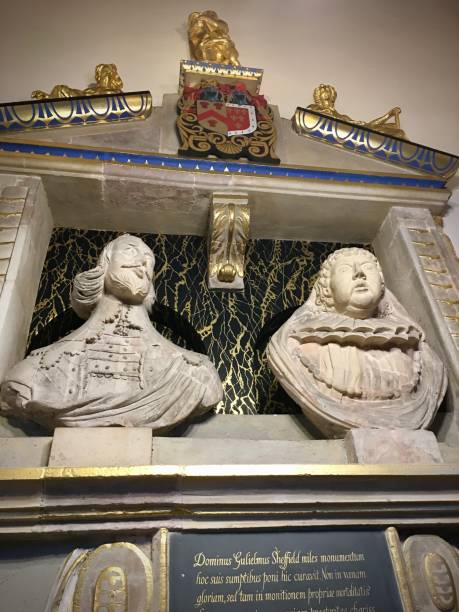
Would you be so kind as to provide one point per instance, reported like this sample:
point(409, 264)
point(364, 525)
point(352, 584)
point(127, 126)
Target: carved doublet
point(115, 357)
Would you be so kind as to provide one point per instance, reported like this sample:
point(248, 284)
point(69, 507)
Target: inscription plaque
point(301, 571)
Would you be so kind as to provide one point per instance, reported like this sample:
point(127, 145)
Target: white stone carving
point(352, 357)
point(116, 369)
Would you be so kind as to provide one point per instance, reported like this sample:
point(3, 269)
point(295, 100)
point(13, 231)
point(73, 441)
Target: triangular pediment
point(156, 134)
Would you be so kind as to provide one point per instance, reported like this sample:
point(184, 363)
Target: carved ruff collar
point(362, 333)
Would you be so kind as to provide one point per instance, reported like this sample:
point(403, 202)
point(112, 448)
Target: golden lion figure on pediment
point(107, 81)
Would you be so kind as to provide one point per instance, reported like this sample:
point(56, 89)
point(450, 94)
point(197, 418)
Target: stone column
point(25, 229)
point(422, 270)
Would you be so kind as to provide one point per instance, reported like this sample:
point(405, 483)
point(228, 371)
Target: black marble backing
point(232, 328)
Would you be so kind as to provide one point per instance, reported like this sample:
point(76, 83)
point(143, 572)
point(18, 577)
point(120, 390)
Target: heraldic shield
point(226, 121)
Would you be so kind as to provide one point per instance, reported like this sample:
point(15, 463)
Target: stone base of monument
point(100, 446)
point(221, 440)
point(392, 446)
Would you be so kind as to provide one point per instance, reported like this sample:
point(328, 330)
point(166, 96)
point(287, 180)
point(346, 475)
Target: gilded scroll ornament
point(228, 235)
point(227, 121)
point(107, 81)
point(209, 39)
point(324, 102)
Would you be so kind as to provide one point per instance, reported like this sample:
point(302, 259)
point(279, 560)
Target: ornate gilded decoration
point(440, 582)
point(383, 147)
point(107, 81)
point(87, 110)
point(209, 39)
point(398, 563)
point(192, 73)
point(112, 578)
point(111, 590)
point(228, 234)
point(227, 121)
point(433, 572)
point(324, 102)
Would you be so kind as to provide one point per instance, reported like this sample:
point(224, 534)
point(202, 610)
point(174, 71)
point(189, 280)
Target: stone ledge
point(189, 451)
point(100, 447)
point(369, 446)
point(24, 452)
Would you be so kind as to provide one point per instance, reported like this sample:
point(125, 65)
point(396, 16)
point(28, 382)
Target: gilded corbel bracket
point(228, 234)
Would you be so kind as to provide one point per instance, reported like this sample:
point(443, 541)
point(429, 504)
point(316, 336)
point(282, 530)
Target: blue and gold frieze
point(214, 166)
point(64, 112)
point(382, 147)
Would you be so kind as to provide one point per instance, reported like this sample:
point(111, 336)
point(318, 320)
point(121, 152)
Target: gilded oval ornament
point(440, 582)
point(111, 591)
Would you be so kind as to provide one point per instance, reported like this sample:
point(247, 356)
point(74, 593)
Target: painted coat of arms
point(226, 121)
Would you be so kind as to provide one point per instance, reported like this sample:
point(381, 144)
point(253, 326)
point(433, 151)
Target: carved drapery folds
point(352, 357)
point(228, 234)
point(115, 369)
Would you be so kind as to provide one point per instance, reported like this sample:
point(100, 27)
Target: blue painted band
point(156, 160)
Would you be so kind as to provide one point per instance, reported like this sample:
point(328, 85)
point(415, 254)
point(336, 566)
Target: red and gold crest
point(227, 121)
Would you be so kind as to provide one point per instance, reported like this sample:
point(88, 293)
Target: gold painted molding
point(398, 563)
point(231, 471)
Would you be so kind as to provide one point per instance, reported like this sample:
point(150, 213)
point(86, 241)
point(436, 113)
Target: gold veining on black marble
point(229, 326)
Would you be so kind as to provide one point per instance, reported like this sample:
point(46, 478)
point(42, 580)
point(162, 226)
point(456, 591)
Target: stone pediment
point(119, 173)
point(156, 133)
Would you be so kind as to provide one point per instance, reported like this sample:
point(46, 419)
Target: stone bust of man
point(352, 357)
point(116, 369)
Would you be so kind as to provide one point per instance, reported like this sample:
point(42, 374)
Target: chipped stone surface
point(392, 446)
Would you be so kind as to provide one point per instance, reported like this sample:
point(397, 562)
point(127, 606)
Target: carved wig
point(88, 286)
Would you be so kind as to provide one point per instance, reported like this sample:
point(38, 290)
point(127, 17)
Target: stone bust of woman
point(116, 369)
point(352, 357)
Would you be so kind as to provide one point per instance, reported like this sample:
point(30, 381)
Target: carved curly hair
point(318, 94)
point(324, 297)
point(88, 286)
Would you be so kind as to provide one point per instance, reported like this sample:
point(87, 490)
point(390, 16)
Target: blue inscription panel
point(302, 571)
